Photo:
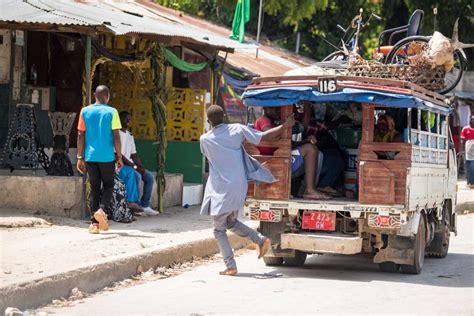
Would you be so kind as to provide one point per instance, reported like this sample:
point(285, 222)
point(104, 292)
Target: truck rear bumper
point(322, 243)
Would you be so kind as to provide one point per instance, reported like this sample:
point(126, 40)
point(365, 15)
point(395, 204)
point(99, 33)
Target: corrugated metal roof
point(70, 13)
point(38, 12)
point(132, 7)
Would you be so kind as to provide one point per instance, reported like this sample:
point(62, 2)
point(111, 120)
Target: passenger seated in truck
point(331, 173)
point(304, 156)
point(385, 131)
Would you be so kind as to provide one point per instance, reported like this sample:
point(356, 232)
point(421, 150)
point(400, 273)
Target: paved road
point(325, 285)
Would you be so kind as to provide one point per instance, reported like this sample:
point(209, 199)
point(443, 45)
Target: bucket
point(350, 180)
point(351, 160)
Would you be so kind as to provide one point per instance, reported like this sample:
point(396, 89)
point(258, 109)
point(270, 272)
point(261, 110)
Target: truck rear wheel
point(419, 250)
point(297, 261)
point(273, 261)
point(389, 266)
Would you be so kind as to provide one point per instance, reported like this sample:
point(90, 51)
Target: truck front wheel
point(440, 244)
point(419, 250)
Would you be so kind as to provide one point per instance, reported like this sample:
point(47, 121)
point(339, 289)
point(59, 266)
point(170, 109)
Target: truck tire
point(297, 261)
point(388, 266)
point(273, 261)
point(439, 246)
point(419, 250)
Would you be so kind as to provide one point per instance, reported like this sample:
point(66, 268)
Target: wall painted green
point(147, 152)
point(185, 158)
point(181, 157)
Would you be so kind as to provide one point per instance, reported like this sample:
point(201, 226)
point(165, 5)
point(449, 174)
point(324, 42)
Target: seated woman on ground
point(304, 156)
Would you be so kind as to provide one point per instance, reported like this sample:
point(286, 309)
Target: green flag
point(241, 16)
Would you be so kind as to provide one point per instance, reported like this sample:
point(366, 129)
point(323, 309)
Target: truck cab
point(396, 195)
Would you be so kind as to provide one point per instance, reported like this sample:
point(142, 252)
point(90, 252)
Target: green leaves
point(317, 19)
point(293, 12)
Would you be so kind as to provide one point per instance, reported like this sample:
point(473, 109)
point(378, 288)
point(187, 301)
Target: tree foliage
point(294, 12)
point(317, 20)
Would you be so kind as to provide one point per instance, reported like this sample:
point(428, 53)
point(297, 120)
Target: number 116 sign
point(327, 85)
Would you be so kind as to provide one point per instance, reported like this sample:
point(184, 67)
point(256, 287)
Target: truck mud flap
point(399, 250)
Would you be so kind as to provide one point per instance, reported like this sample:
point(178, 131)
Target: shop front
point(52, 63)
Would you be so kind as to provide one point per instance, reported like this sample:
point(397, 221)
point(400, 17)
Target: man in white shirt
point(133, 171)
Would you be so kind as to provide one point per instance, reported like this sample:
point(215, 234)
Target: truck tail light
point(265, 216)
point(384, 221)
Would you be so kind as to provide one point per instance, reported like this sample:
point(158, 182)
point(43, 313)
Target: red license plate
point(319, 220)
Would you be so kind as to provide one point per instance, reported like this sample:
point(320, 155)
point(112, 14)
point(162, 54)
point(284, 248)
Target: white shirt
point(128, 144)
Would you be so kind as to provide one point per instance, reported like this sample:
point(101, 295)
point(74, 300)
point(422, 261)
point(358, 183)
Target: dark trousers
point(332, 169)
point(101, 174)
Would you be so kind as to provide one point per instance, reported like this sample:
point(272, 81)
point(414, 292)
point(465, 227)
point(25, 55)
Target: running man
point(230, 168)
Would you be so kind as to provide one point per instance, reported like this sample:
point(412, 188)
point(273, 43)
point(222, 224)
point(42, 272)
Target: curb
point(92, 278)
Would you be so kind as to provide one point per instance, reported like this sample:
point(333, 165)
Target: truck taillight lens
point(384, 221)
point(265, 216)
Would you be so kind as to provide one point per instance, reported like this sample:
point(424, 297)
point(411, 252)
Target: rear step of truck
point(322, 243)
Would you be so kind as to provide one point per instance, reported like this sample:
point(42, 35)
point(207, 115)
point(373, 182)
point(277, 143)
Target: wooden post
point(419, 121)
point(212, 87)
point(409, 126)
point(217, 80)
point(368, 122)
point(87, 86)
point(285, 112)
point(87, 60)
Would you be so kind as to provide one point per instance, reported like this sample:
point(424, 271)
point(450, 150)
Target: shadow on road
point(456, 270)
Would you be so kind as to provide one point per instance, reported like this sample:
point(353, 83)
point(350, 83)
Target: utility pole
point(259, 26)
point(298, 39)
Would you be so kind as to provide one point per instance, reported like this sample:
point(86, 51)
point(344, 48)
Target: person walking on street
point(98, 136)
point(133, 171)
point(467, 143)
point(230, 168)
